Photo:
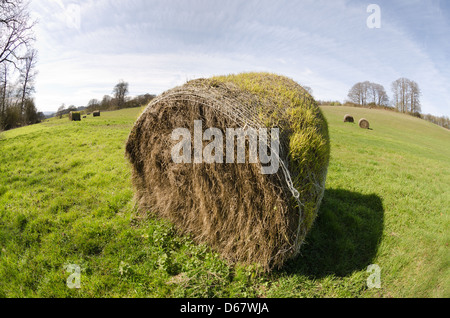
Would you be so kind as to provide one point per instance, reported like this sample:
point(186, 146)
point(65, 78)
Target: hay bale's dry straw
point(364, 123)
point(246, 216)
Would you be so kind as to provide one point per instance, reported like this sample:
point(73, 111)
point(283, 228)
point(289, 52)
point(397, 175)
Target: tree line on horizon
point(118, 100)
point(17, 78)
point(405, 99)
point(406, 95)
point(17, 66)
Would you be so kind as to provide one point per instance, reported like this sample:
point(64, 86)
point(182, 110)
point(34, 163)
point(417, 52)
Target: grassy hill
point(66, 198)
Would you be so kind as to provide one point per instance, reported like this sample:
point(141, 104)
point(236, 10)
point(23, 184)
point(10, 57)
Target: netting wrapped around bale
point(245, 215)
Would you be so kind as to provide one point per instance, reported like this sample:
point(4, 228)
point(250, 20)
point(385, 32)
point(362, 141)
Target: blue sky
point(86, 47)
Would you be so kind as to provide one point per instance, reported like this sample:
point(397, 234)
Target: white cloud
point(155, 45)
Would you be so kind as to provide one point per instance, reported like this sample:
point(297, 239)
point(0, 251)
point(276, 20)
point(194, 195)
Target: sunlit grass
point(66, 198)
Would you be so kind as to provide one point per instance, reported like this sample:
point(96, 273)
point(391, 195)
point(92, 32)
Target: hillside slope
point(66, 198)
point(405, 162)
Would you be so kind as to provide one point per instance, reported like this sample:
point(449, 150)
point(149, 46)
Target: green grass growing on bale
point(66, 197)
point(296, 114)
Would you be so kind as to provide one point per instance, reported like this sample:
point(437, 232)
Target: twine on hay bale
point(75, 116)
point(246, 216)
point(349, 119)
point(364, 123)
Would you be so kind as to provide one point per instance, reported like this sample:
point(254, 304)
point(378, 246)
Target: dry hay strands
point(96, 113)
point(349, 119)
point(75, 116)
point(364, 123)
point(246, 216)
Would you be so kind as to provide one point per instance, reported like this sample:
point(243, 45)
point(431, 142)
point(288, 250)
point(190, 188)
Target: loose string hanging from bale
point(246, 216)
point(364, 123)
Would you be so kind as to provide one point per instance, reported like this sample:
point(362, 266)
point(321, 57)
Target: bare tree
point(380, 98)
point(364, 93)
point(415, 97)
point(60, 111)
point(27, 77)
point(93, 104)
point(399, 89)
point(356, 94)
point(16, 39)
point(406, 95)
point(3, 89)
point(15, 30)
point(120, 92)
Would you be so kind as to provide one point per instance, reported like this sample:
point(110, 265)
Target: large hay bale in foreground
point(246, 216)
point(349, 119)
point(75, 116)
point(364, 123)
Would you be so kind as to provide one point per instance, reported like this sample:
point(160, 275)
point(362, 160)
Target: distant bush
point(12, 118)
point(329, 103)
point(442, 121)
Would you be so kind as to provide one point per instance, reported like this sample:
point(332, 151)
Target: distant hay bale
point(349, 119)
point(75, 116)
point(364, 123)
point(96, 113)
point(246, 216)
point(84, 116)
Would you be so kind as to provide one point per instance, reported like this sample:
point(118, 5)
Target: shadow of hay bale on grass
point(246, 216)
point(345, 237)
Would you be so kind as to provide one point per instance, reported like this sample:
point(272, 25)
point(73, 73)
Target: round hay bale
point(75, 116)
point(245, 215)
point(96, 113)
point(364, 123)
point(349, 119)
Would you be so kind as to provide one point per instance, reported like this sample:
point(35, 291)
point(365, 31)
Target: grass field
point(66, 198)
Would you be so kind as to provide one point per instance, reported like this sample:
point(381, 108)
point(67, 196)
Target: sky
point(86, 47)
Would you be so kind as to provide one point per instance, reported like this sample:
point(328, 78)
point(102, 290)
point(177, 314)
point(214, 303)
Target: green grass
point(66, 198)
